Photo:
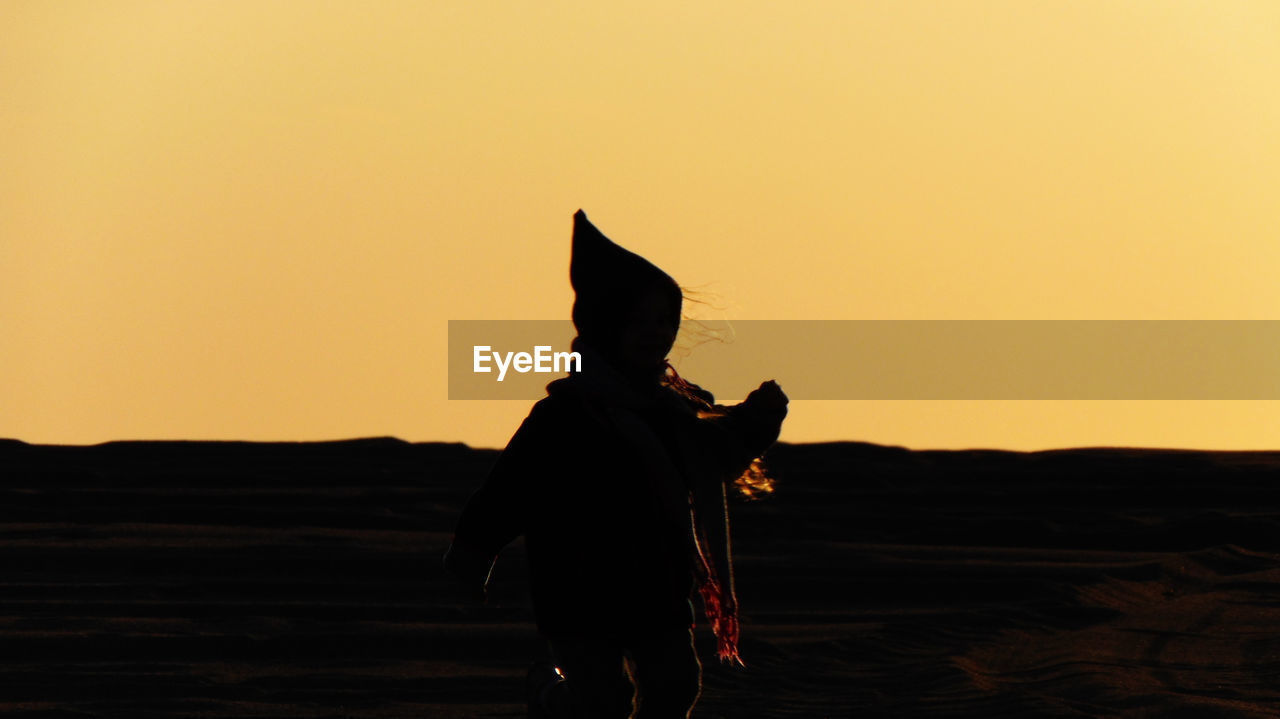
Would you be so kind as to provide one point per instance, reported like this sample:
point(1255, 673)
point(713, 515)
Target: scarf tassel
point(721, 610)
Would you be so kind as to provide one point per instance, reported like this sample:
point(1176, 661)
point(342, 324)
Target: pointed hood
point(607, 278)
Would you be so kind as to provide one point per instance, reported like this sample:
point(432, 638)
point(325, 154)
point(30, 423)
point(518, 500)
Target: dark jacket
point(605, 557)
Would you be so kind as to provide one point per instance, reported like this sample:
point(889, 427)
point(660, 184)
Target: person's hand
point(768, 397)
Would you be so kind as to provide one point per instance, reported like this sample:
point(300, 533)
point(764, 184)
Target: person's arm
point(497, 512)
point(738, 434)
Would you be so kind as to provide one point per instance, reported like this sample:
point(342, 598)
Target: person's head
point(624, 305)
point(645, 331)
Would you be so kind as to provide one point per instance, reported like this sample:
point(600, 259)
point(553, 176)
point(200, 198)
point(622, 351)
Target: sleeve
point(497, 512)
point(757, 429)
point(738, 434)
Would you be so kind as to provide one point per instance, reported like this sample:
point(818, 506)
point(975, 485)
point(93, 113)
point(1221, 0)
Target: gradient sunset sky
point(253, 219)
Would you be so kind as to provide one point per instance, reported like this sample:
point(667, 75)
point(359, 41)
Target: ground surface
point(271, 580)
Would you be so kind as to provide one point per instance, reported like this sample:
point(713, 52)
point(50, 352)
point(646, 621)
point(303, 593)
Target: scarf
point(690, 491)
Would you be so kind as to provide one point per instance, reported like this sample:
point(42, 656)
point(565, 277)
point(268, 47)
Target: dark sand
point(272, 580)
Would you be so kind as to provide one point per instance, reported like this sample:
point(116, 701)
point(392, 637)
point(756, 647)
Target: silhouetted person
point(617, 481)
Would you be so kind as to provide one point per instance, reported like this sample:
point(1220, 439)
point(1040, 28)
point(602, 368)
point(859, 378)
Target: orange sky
point(253, 220)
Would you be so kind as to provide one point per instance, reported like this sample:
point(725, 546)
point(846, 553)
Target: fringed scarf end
point(722, 613)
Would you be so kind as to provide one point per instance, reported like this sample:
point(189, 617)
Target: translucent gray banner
point(908, 359)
